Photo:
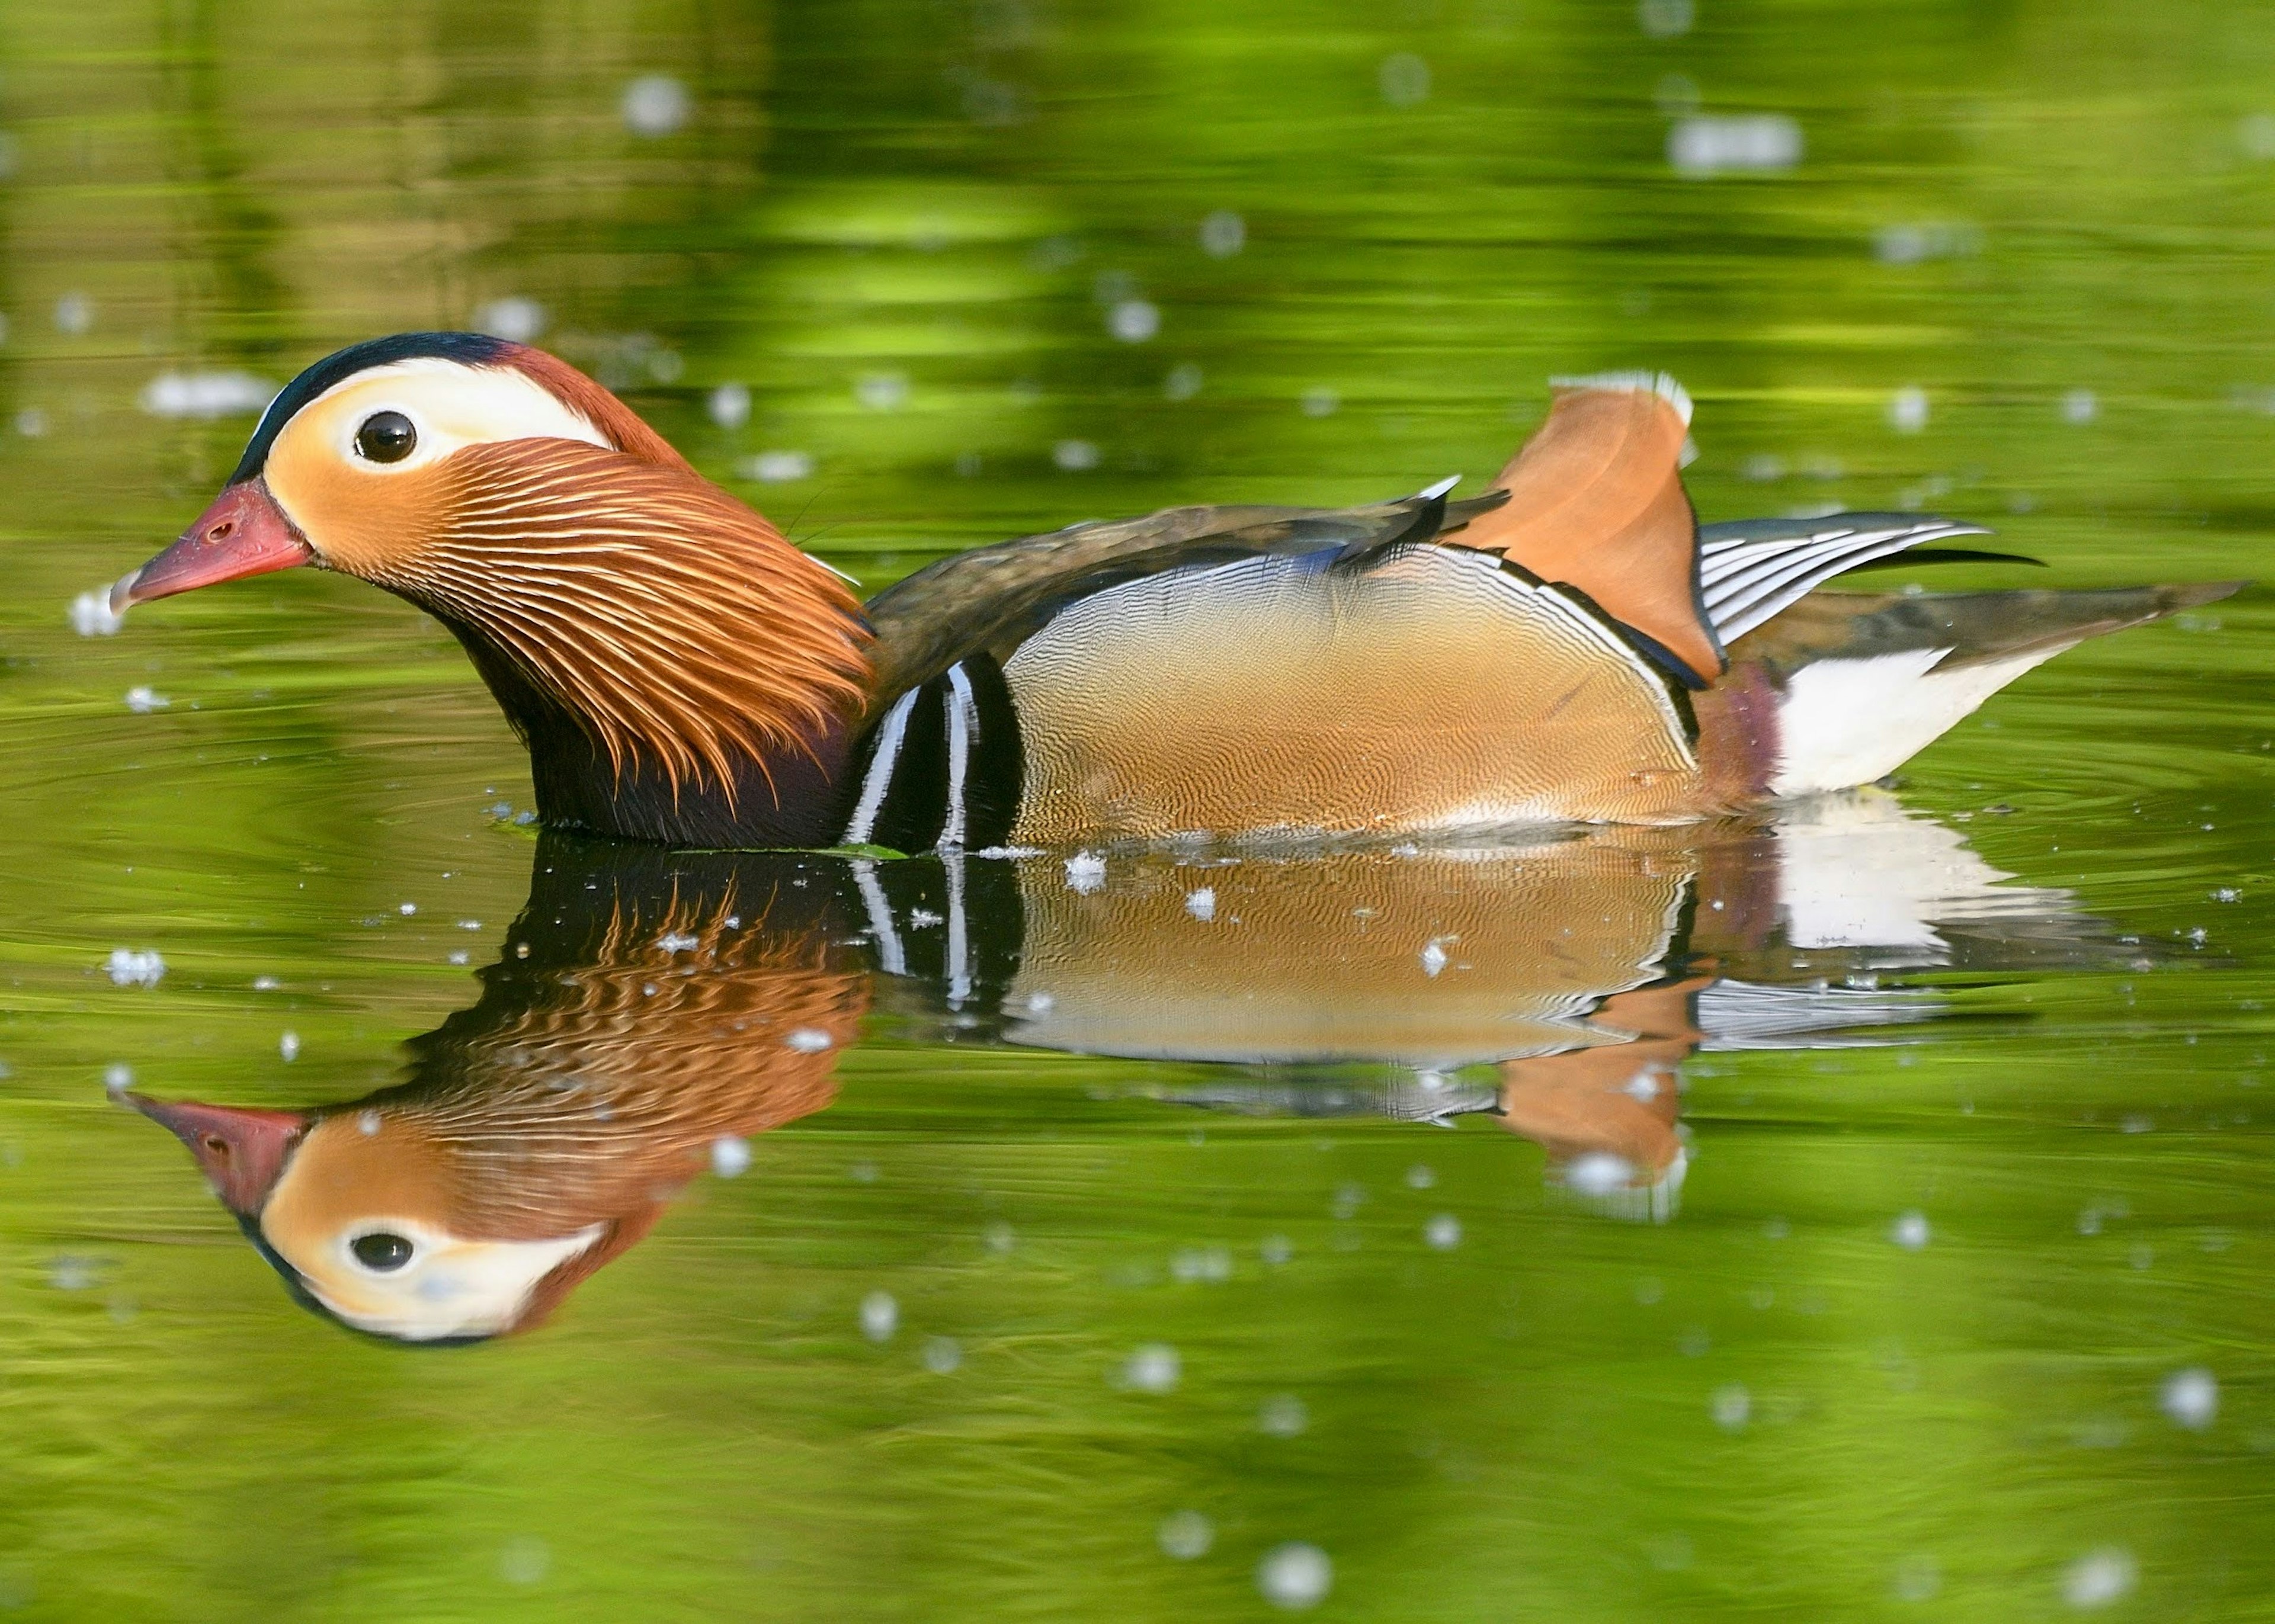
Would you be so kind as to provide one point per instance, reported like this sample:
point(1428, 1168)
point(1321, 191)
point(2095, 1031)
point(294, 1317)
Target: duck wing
point(993, 598)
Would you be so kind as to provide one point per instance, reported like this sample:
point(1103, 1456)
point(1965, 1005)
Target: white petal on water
point(883, 391)
point(1184, 383)
point(1420, 1176)
point(1152, 1367)
point(1283, 1416)
point(74, 313)
point(135, 967)
point(1075, 455)
point(730, 405)
point(1275, 1249)
point(1295, 1576)
point(1598, 1173)
point(1321, 402)
point(1184, 1535)
point(368, 1123)
point(1907, 410)
point(678, 941)
point(1134, 320)
point(514, 317)
point(1666, 19)
point(1086, 873)
point(289, 1046)
point(1000, 1237)
point(406, 908)
point(266, 984)
point(91, 616)
point(1443, 1231)
point(2190, 1398)
point(776, 467)
point(142, 700)
point(1433, 958)
point(730, 1157)
point(2079, 406)
point(1202, 903)
point(942, 1355)
point(118, 1077)
point(808, 1040)
point(1223, 234)
point(32, 422)
point(201, 395)
point(1758, 143)
point(1732, 1407)
point(881, 1315)
point(655, 104)
point(1404, 80)
point(1910, 1231)
point(2099, 1577)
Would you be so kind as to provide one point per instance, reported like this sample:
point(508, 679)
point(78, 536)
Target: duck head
point(680, 672)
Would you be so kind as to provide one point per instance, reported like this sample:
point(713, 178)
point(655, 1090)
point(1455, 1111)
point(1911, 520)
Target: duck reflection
point(652, 1008)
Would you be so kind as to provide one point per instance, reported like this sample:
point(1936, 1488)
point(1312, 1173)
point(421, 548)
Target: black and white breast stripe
point(942, 766)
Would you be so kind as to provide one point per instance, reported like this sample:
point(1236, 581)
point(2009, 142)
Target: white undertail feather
point(1659, 383)
point(1846, 723)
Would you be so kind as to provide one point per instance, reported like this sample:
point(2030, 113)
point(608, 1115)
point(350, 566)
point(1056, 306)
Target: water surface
point(1861, 1211)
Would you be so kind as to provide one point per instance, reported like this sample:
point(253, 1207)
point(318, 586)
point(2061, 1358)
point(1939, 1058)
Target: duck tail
point(1842, 688)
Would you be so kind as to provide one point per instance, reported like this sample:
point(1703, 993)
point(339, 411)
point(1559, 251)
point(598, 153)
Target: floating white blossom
point(1153, 1367)
point(1758, 143)
point(207, 394)
point(730, 1157)
point(808, 1039)
point(1202, 903)
point(881, 1315)
point(942, 1355)
point(1294, 1576)
point(515, 318)
point(2099, 1577)
point(655, 104)
point(882, 391)
point(776, 467)
point(1732, 1407)
point(1433, 958)
point(288, 1046)
point(1283, 1416)
point(1086, 873)
point(1134, 320)
point(1185, 1535)
point(1404, 80)
point(136, 967)
point(730, 405)
point(1910, 1231)
point(142, 700)
point(1443, 1231)
point(2190, 1398)
point(1075, 455)
point(1223, 234)
point(1907, 410)
point(91, 615)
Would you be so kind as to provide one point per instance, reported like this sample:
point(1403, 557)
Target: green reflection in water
point(910, 233)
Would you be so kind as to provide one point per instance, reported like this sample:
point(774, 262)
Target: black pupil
point(386, 437)
point(381, 1251)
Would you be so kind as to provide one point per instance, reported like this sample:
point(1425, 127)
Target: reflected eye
point(380, 1252)
point(386, 437)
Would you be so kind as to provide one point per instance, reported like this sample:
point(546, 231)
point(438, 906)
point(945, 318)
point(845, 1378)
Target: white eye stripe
point(449, 405)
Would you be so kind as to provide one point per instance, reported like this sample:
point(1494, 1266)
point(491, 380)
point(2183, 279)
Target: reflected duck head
point(359, 1212)
point(658, 642)
point(645, 1009)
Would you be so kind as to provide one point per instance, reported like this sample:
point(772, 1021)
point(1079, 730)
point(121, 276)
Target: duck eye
point(386, 437)
point(380, 1252)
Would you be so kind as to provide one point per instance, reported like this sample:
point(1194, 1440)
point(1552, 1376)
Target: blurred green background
point(912, 275)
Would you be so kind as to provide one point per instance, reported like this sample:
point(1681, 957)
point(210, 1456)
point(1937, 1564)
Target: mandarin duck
point(1571, 646)
point(639, 1016)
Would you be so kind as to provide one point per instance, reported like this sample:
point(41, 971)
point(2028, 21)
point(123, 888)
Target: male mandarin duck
point(1572, 647)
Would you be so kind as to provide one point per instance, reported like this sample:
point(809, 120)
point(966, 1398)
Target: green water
point(1972, 1158)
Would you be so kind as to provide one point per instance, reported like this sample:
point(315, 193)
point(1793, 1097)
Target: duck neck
point(784, 792)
